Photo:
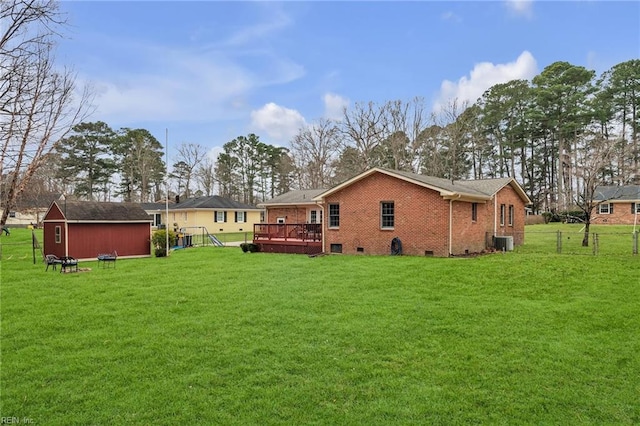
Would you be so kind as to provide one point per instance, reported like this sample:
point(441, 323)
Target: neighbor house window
point(12, 214)
point(511, 214)
point(474, 212)
point(605, 208)
point(241, 217)
point(280, 220)
point(220, 216)
point(635, 208)
point(58, 231)
point(334, 215)
point(502, 212)
point(387, 215)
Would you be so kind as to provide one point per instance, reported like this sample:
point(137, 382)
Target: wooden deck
point(303, 238)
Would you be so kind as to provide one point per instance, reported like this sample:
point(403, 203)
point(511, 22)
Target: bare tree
point(593, 160)
point(190, 155)
point(206, 176)
point(404, 123)
point(364, 129)
point(455, 127)
point(314, 149)
point(38, 103)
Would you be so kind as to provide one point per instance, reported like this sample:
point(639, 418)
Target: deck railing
point(288, 231)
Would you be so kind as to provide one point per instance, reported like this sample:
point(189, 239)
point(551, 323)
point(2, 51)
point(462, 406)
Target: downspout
point(322, 225)
point(450, 226)
point(495, 215)
point(451, 200)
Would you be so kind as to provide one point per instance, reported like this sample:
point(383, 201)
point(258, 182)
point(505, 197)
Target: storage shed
point(84, 229)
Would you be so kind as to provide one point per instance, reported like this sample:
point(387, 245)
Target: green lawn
point(217, 336)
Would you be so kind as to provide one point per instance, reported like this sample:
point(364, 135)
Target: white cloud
point(482, 77)
point(334, 105)
point(278, 122)
point(522, 8)
point(213, 153)
point(182, 85)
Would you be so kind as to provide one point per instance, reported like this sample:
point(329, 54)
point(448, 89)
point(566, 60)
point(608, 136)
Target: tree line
point(556, 134)
point(561, 134)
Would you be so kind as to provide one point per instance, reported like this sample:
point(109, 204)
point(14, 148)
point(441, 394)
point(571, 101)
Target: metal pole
point(166, 184)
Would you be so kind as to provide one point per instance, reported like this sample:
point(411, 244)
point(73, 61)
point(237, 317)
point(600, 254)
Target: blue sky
point(210, 71)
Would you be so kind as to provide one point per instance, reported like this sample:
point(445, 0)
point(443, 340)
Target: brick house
point(430, 216)
point(617, 205)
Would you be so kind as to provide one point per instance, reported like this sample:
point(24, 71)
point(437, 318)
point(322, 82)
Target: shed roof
point(95, 211)
point(213, 202)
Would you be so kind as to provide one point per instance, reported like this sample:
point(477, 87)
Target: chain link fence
point(600, 243)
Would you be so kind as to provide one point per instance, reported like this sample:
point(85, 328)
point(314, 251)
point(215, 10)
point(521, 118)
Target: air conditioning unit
point(504, 243)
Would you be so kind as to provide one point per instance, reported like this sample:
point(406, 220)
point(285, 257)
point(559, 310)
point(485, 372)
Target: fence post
point(635, 242)
point(595, 244)
point(559, 242)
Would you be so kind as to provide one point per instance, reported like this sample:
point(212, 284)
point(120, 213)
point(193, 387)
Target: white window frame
point(241, 217)
point(637, 208)
point(315, 216)
point(219, 216)
point(280, 220)
point(602, 211)
point(58, 234)
point(384, 214)
point(511, 214)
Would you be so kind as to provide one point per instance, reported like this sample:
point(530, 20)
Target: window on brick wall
point(315, 216)
point(605, 208)
point(334, 215)
point(511, 212)
point(502, 213)
point(387, 214)
point(474, 212)
point(635, 208)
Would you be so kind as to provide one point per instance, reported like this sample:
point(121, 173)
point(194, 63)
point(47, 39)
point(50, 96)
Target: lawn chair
point(68, 262)
point(53, 261)
point(108, 258)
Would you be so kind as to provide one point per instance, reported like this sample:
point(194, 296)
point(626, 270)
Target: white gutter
point(322, 225)
point(451, 200)
point(495, 215)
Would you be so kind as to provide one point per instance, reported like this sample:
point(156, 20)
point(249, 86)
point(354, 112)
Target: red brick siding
point(291, 214)
point(508, 196)
point(421, 217)
point(469, 236)
point(622, 215)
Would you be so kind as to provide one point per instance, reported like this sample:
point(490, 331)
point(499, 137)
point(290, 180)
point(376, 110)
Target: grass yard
point(216, 336)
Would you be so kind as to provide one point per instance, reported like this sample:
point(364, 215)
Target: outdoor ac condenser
point(504, 243)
